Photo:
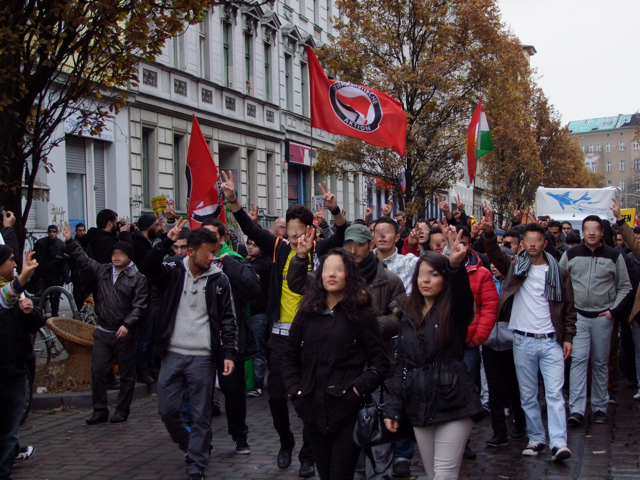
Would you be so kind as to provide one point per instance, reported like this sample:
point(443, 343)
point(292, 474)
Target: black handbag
point(370, 429)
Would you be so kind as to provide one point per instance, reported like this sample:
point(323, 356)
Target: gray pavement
point(66, 448)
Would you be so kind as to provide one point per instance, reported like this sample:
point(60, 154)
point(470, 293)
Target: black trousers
point(235, 398)
point(503, 388)
point(278, 402)
point(336, 455)
point(106, 348)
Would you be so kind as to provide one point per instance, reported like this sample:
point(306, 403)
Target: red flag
point(204, 194)
point(355, 111)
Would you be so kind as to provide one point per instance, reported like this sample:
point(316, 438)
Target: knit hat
point(52, 227)
point(357, 233)
point(145, 221)
point(5, 252)
point(80, 225)
point(126, 247)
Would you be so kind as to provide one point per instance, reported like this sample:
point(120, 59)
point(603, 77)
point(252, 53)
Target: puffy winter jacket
point(486, 300)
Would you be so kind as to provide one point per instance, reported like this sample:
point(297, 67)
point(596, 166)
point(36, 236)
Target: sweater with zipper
point(600, 279)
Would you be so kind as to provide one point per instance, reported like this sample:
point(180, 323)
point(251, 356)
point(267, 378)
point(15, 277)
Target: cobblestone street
point(141, 449)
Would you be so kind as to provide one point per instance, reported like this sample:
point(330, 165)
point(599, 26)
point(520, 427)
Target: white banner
point(575, 203)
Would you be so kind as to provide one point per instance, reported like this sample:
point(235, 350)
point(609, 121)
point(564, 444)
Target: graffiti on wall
point(58, 217)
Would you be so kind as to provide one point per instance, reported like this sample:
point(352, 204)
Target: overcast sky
point(587, 62)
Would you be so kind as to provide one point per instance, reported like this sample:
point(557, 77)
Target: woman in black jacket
point(431, 382)
point(333, 337)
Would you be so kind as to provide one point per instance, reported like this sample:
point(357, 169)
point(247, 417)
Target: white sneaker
point(560, 453)
point(25, 454)
point(636, 397)
point(533, 449)
point(254, 393)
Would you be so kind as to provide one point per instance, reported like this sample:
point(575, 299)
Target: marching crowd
point(436, 326)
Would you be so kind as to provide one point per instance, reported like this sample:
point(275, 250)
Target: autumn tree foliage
point(71, 57)
point(436, 57)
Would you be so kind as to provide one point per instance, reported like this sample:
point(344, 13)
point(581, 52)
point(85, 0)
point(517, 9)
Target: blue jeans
point(12, 398)
point(544, 355)
point(592, 342)
point(471, 359)
point(259, 326)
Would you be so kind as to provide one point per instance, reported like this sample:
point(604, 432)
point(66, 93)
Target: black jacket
point(278, 249)
point(52, 262)
point(169, 279)
point(141, 246)
point(16, 349)
point(430, 381)
point(119, 303)
point(245, 286)
point(262, 266)
point(325, 358)
point(98, 243)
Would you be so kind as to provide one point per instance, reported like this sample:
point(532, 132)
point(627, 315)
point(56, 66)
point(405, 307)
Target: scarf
point(553, 282)
point(369, 268)
point(229, 251)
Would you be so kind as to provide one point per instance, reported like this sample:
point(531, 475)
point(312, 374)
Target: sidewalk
point(66, 448)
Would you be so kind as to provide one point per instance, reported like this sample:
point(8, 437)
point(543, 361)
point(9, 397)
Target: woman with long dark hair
point(431, 384)
point(334, 336)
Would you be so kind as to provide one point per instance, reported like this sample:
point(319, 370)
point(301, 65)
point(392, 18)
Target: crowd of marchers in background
point(441, 324)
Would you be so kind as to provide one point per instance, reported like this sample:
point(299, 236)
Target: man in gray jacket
point(600, 284)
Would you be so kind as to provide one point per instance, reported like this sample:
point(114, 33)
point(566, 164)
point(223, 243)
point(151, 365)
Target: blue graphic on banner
point(581, 204)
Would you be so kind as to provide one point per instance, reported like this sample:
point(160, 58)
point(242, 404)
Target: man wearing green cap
point(385, 287)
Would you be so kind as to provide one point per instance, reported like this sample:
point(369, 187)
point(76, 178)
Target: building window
point(288, 79)
point(636, 145)
point(599, 147)
point(582, 147)
point(593, 167)
point(621, 145)
point(272, 200)
point(178, 170)
point(637, 184)
point(608, 147)
point(228, 59)
point(146, 173)
point(203, 47)
point(636, 163)
point(609, 183)
point(591, 148)
point(608, 166)
point(248, 61)
point(316, 12)
point(267, 72)
point(302, 7)
point(304, 81)
point(623, 185)
point(178, 52)
point(622, 165)
point(329, 14)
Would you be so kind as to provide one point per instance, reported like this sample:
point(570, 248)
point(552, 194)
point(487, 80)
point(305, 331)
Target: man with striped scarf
point(537, 301)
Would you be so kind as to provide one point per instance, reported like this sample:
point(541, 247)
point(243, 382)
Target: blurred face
point(430, 281)
point(437, 242)
point(566, 228)
point(592, 233)
point(253, 249)
point(534, 244)
point(279, 228)
point(514, 242)
point(619, 240)
point(359, 250)
point(401, 220)
point(221, 240)
point(372, 227)
point(201, 258)
point(424, 233)
point(52, 234)
point(496, 273)
point(385, 237)
point(555, 231)
point(466, 243)
point(180, 247)
point(81, 232)
point(295, 230)
point(334, 277)
point(152, 231)
point(7, 268)
point(120, 259)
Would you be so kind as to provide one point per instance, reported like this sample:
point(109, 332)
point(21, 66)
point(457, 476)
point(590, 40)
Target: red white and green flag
point(478, 142)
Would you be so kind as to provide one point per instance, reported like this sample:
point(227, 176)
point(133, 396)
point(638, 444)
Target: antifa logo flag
point(355, 111)
point(204, 196)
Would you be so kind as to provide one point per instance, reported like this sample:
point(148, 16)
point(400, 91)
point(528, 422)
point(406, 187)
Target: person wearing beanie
point(18, 321)
point(81, 231)
point(121, 296)
point(143, 240)
point(53, 266)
